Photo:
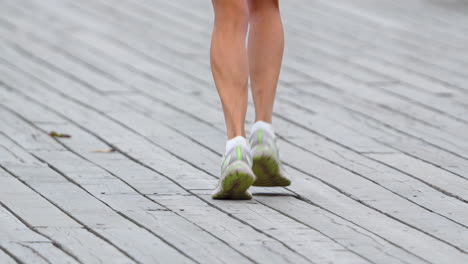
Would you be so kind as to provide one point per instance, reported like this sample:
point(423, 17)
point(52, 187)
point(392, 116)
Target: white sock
point(236, 141)
point(263, 126)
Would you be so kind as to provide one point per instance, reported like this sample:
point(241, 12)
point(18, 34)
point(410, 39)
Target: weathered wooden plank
point(26, 244)
point(362, 125)
point(347, 21)
point(399, 38)
point(444, 102)
point(188, 177)
point(314, 170)
point(41, 213)
point(302, 249)
point(169, 62)
point(158, 112)
point(392, 26)
point(118, 50)
point(296, 235)
point(95, 78)
point(133, 146)
point(449, 183)
point(388, 103)
point(127, 201)
point(147, 67)
point(352, 76)
point(429, 173)
point(5, 257)
point(308, 28)
point(389, 178)
point(333, 27)
point(437, 11)
point(13, 230)
point(320, 126)
point(214, 165)
point(292, 136)
point(434, 14)
point(323, 15)
point(46, 219)
point(210, 217)
point(393, 119)
point(330, 202)
point(34, 252)
point(369, 51)
point(183, 46)
point(109, 108)
point(353, 72)
point(12, 153)
point(97, 216)
point(284, 254)
point(409, 22)
point(25, 254)
point(356, 15)
point(397, 183)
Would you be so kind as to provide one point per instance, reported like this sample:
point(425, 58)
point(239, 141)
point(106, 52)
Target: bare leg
point(229, 63)
point(265, 51)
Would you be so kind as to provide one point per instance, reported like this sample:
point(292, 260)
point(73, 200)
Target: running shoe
point(236, 175)
point(267, 166)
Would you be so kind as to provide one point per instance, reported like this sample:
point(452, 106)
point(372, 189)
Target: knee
point(231, 14)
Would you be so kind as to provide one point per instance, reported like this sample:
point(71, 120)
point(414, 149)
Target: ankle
point(236, 141)
point(264, 126)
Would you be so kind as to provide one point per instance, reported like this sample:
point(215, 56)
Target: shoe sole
point(234, 187)
point(266, 170)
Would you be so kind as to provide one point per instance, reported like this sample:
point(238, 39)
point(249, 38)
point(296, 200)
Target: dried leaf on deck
point(59, 135)
point(105, 150)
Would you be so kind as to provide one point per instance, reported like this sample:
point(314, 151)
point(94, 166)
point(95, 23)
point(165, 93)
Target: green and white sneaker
point(236, 174)
point(265, 153)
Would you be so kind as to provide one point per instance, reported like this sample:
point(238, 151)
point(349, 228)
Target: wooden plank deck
point(372, 114)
